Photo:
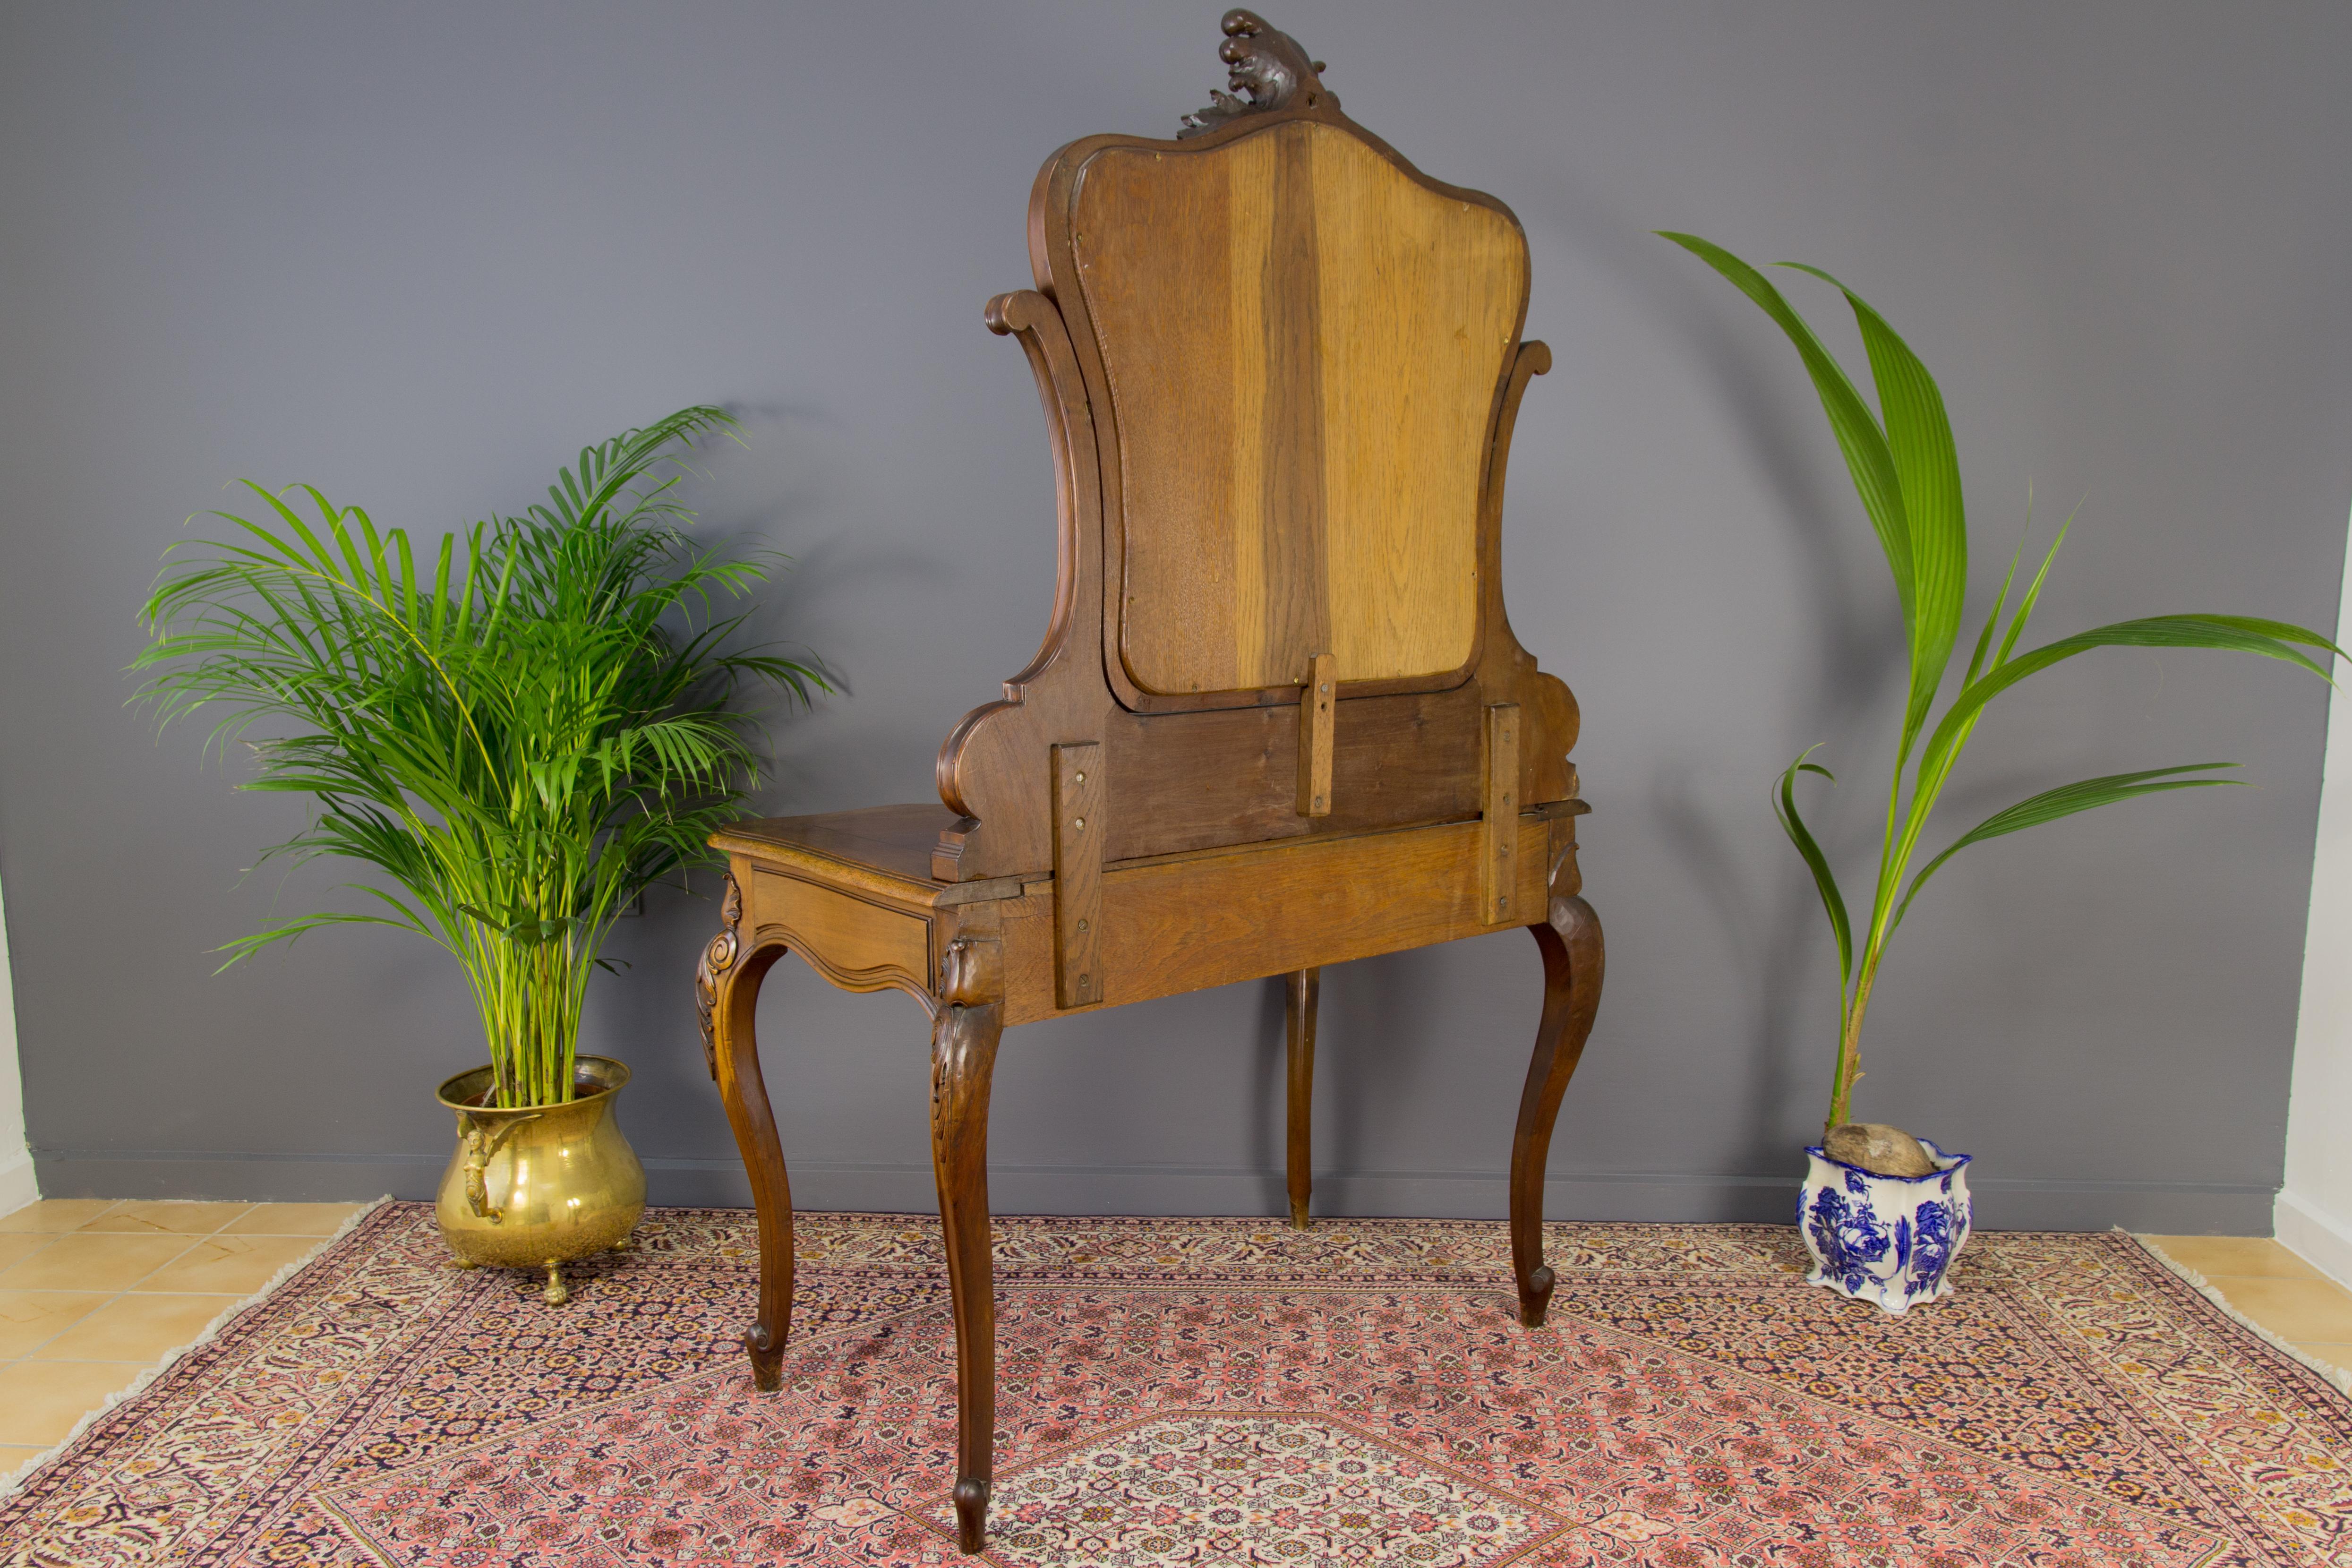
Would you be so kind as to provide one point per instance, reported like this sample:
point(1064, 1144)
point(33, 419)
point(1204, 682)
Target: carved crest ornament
point(1267, 67)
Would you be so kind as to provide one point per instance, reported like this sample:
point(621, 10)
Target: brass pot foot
point(464, 1263)
point(557, 1291)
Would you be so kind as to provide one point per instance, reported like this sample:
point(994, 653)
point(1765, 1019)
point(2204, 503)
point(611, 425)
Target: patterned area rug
point(1216, 1392)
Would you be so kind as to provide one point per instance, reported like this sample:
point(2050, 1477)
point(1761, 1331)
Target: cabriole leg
point(1571, 943)
point(726, 992)
point(964, 1034)
point(1304, 989)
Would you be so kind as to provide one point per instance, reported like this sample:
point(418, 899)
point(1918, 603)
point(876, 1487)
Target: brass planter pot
point(542, 1185)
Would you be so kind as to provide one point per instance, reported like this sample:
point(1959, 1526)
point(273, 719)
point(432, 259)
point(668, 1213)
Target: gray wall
point(418, 253)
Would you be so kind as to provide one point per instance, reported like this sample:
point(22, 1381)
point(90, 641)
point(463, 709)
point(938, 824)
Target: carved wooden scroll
point(1267, 67)
point(717, 958)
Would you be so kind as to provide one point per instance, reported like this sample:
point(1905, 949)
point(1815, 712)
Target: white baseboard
point(2320, 1238)
point(17, 1184)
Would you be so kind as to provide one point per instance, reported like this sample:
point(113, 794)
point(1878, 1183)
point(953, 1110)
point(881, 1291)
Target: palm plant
point(523, 736)
point(1907, 474)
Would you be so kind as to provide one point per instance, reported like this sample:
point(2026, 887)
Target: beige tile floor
point(2272, 1286)
point(93, 1292)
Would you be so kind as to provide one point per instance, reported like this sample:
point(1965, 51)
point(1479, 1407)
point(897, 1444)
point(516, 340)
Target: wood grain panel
point(1418, 301)
point(1500, 818)
point(857, 945)
point(1292, 515)
point(1196, 781)
point(1304, 345)
point(1149, 229)
point(1079, 791)
point(1197, 920)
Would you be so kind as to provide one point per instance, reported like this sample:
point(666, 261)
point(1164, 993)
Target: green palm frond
point(1906, 470)
point(2065, 800)
point(519, 737)
point(1825, 880)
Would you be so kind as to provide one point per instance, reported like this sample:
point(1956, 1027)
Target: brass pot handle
point(480, 1145)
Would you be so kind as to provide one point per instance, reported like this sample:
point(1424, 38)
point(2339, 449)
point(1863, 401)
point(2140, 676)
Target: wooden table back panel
point(1197, 920)
point(1303, 345)
point(1280, 369)
point(1195, 781)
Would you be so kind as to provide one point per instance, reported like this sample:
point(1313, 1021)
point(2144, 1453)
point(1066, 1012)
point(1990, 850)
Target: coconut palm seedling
point(1907, 474)
point(521, 732)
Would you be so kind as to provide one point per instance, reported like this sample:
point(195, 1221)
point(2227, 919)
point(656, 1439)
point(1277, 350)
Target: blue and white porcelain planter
point(1888, 1239)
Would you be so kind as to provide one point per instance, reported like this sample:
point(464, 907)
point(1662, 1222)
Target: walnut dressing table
point(1279, 720)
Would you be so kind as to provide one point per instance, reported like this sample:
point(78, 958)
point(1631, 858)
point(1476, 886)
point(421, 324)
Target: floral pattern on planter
point(1887, 1239)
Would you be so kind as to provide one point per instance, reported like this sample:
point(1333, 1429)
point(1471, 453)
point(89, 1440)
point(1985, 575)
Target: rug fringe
point(11, 1482)
point(2338, 1376)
